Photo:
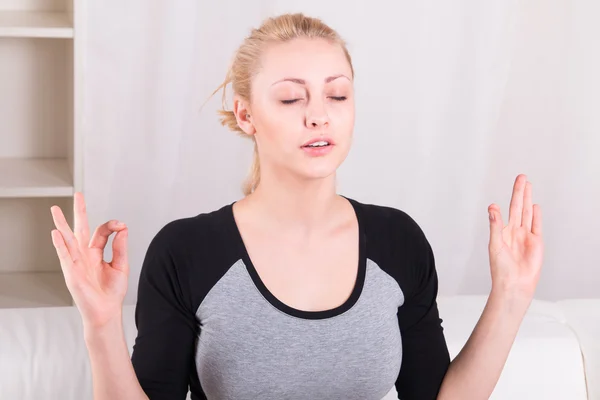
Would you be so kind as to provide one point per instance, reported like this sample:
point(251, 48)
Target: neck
point(293, 202)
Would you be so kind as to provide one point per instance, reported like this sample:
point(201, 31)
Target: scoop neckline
point(285, 308)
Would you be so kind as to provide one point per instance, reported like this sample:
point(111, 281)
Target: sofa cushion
point(43, 351)
point(545, 361)
point(43, 354)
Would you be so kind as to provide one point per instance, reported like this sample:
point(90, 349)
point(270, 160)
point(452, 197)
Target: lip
point(318, 151)
point(319, 139)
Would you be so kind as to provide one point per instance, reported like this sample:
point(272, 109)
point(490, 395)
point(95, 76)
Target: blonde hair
point(246, 61)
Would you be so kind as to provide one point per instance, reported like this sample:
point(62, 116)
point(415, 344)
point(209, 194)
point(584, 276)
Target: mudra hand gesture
point(98, 287)
point(516, 249)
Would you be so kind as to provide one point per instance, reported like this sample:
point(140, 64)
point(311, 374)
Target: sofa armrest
point(583, 316)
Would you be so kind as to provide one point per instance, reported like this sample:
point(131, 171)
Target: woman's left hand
point(516, 251)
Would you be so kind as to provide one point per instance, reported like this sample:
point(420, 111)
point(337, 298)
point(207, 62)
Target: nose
point(317, 117)
point(318, 121)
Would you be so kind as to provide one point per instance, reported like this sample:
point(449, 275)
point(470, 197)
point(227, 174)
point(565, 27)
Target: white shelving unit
point(35, 24)
point(41, 162)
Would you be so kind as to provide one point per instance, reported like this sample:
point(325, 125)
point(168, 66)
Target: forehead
point(309, 59)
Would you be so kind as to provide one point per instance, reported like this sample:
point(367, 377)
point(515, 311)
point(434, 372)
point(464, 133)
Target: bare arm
point(474, 372)
point(98, 288)
point(112, 372)
point(516, 258)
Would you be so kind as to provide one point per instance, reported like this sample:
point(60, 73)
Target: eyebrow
point(303, 82)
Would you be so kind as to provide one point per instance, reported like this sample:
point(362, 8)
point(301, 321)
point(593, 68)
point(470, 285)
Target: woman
point(293, 291)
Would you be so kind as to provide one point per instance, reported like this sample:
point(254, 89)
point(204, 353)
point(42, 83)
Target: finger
point(66, 263)
point(496, 226)
point(82, 229)
point(119, 245)
point(516, 203)
point(102, 232)
point(61, 249)
point(67, 235)
point(536, 227)
point(526, 219)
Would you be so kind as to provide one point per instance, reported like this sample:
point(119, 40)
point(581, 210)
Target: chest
point(306, 273)
point(251, 348)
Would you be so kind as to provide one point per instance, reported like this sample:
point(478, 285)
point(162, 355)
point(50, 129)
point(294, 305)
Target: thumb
point(496, 226)
point(119, 246)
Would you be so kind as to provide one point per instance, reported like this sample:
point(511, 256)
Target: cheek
point(277, 130)
point(343, 116)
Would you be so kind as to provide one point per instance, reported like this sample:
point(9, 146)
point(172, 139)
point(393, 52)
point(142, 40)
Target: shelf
point(35, 24)
point(35, 177)
point(33, 289)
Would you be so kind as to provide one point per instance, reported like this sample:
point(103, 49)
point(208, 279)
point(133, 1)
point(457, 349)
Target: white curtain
point(454, 99)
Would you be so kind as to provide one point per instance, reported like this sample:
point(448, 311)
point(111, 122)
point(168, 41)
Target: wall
point(453, 101)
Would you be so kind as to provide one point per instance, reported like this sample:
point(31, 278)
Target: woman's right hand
point(98, 287)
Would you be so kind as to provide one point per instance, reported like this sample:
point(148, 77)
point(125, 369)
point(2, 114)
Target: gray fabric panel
point(249, 349)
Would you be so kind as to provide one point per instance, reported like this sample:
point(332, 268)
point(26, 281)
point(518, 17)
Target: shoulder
point(200, 228)
point(386, 223)
point(195, 251)
point(397, 244)
point(207, 238)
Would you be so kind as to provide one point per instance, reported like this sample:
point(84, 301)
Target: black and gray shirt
point(208, 324)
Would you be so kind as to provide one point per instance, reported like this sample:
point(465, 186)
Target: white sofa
point(556, 354)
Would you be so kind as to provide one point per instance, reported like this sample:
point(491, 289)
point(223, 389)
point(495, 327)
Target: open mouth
point(321, 143)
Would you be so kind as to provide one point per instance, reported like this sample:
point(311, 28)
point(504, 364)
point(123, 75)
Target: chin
point(320, 170)
point(314, 167)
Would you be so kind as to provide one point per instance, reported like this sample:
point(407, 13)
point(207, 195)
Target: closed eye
point(336, 98)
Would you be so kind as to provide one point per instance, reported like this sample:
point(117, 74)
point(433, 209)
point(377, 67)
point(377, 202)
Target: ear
point(243, 115)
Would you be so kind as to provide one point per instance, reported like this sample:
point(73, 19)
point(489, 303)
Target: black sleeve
point(163, 352)
point(425, 358)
